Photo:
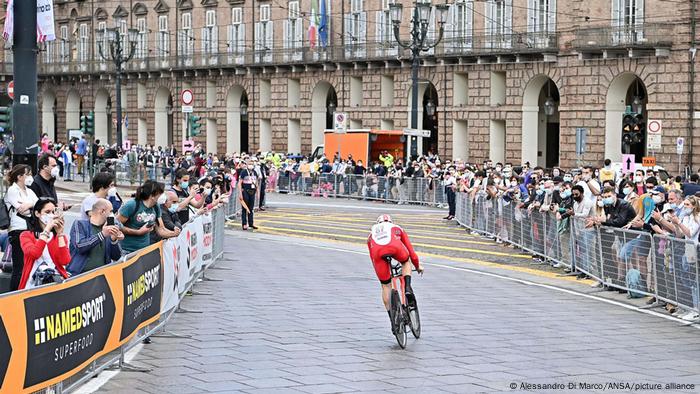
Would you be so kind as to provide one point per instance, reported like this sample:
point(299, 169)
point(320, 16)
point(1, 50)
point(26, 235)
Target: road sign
point(654, 126)
point(417, 132)
point(340, 122)
point(187, 109)
point(187, 97)
point(648, 161)
point(628, 164)
point(653, 142)
point(11, 89)
point(187, 146)
point(126, 145)
point(679, 145)
point(581, 133)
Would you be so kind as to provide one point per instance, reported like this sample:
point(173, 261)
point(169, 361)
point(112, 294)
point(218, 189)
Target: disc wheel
point(414, 318)
point(399, 325)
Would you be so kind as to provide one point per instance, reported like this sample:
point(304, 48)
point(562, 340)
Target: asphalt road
point(301, 312)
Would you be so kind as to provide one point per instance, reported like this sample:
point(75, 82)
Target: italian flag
point(313, 25)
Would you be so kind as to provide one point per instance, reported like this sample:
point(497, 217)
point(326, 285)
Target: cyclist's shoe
point(394, 323)
point(410, 297)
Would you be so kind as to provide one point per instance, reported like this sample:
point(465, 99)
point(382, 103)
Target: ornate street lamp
point(430, 108)
point(121, 48)
point(418, 43)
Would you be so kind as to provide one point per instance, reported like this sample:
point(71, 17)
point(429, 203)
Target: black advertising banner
point(5, 352)
point(66, 327)
point(143, 280)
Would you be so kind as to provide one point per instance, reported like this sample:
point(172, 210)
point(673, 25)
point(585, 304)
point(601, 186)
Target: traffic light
point(87, 123)
point(83, 124)
point(194, 125)
point(633, 127)
point(6, 120)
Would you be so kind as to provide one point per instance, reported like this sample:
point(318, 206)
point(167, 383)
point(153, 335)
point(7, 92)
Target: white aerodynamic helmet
point(384, 218)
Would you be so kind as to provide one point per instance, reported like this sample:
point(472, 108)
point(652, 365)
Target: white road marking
point(384, 208)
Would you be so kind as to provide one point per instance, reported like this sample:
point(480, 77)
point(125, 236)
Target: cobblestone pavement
point(304, 315)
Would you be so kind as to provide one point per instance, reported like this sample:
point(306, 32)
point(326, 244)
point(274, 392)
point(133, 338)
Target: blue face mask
point(173, 208)
point(539, 192)
point(673, 206)
point(566, 194)
point(608, 201)
point(184, 185)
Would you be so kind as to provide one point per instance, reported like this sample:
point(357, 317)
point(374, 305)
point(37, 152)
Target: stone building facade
point(511, 80)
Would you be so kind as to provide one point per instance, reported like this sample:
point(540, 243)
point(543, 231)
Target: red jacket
point(33, 248)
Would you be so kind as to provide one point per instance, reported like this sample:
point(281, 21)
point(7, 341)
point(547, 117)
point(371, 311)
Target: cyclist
point(388, 239)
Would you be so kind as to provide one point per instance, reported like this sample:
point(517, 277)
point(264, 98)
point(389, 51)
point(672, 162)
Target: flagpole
point(24, 108)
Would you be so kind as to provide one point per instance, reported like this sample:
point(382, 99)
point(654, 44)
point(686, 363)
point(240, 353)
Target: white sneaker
point(597, 284)
point(690, 316)
point(556, 265)
point(680, 312)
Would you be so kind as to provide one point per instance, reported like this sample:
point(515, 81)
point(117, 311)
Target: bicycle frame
point(397, 280)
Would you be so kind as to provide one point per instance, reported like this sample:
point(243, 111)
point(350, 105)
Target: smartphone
point(110, 220)
point(151, 225)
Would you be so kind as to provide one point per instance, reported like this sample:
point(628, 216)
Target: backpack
point(4, 217)
point(633, 281)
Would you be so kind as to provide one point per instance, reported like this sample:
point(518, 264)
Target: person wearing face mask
point(45, 246)
point(247, 188)
point(206, 186)
point(102, 187)
point(450, 184)
point(43, 185)
point(628, 191)
point(168, 203)
point(94, 242)
point(142, 215)
point(19, 200)
point(188, 194)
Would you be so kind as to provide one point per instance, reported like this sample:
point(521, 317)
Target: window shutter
point(616, 13)
point(298, 33)
point(362, 34)
point(468, 22)
point(552, 16)
point(639, 18)
point(206, 42)
point(287, 33)
point(269, 35)
point(241, 39)
point(258, 39)
point(490, 31)
point(508, 22)
point(215, 39)
point(431, 31)
point(230, 39)
point(349, 35)
point(532, 15)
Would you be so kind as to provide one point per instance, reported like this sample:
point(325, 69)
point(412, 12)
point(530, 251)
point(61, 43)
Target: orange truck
point(362, 144)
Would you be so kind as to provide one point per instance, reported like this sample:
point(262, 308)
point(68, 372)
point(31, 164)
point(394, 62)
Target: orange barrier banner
point(50, 333)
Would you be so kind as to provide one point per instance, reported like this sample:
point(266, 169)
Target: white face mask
point(46, 218)
point(207, 192)
point(54, 172)
point(657, 199)
point(112, 192)
point(162, 199)
point(600, 203)
point(28, 180)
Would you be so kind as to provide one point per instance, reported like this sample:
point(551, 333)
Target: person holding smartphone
point(95, 242)
point(142, 215)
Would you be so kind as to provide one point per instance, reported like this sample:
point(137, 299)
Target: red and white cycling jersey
point(388, 239)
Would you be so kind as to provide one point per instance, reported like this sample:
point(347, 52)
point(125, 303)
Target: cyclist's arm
point(411, 252)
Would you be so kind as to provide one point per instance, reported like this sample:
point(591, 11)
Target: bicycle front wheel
point(414, 320)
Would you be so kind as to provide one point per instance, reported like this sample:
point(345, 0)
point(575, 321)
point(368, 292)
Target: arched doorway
point(236, 120)
point(163, 117)
point(430, 121)
point(540, 123)
point(324, 102)
point(73, 109)
point(626, 90)
point(49, 117)
point(103, 117)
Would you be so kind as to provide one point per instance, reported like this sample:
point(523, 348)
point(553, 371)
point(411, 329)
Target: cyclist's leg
point(381, 268)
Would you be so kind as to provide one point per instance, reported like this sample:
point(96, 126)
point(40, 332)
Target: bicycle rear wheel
point(399, 325)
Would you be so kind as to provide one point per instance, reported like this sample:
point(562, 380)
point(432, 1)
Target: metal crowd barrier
point(667, 266)
point(405, 190)
point(115, 360)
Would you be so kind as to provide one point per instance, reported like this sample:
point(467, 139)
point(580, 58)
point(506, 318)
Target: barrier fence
point(56, 337)
point(665, 267)
point(403, 190)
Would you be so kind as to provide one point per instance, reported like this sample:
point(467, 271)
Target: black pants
point(17, 259)
point(263, 185)
point(249, 199)
point(451, 200)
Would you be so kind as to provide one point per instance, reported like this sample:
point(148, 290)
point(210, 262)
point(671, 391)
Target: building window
point(163, 36)
point(50, 52)
point(210, 33)
point(236, 34)
point(101, 46)
point(186, 42)
point(628, 20)
point(293, 32)
point(142, 39)
point(64, 51)
point(541, 21)
point(385, 31)
point(355, 30)
point(83, 43)
point(499, 23)
point(459, 26)
point(263, 35)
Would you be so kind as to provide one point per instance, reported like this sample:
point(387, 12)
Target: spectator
point(93, 242)
point(19, 200)
point(45, 246)
point(102, 187)
point(81, 152)
point(43, 185)
point(168, 203)
point(691, 187)
point(142, 215)
point(591, 187)
point(187, 193)
point(246, 193)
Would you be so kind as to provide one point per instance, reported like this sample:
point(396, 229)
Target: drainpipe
point(691, 83)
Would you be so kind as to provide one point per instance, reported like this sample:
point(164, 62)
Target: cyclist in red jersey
point(388, 239)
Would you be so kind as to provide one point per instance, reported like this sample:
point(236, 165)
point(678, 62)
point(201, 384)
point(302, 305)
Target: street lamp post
point(119, 53)
point(417, 44)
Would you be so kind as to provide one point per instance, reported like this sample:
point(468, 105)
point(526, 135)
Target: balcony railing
point(644, 36)
point(475, 47)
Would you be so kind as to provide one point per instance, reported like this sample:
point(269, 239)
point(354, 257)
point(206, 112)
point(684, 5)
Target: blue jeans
point(67, 168)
